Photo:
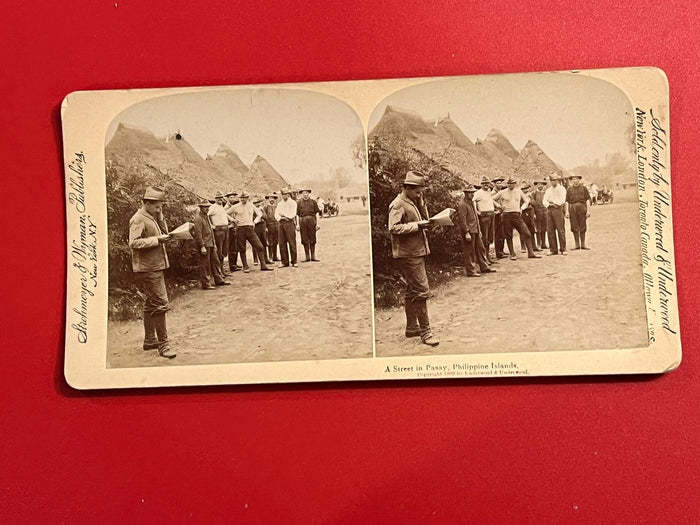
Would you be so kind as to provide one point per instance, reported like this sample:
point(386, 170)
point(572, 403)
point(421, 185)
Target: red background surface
point(564, 450)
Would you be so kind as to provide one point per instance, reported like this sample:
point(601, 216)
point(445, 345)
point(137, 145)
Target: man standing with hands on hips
point(149, 259)
point(408, 219)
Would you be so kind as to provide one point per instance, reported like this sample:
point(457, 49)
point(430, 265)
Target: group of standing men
point(487, 214)
point(220, 228)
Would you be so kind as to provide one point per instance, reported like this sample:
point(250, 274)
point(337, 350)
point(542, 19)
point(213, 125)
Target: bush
point(388, 162)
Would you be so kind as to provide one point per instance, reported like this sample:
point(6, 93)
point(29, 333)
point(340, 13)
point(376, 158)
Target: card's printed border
point(86, 116)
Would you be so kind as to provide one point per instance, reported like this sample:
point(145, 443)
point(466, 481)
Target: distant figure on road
point(579, 201)
point(408, 219)
point(149, 258)
point(554, 200)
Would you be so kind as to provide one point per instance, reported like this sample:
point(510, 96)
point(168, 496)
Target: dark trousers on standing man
point(555, 229)
point(209, 267)
point(287, 241)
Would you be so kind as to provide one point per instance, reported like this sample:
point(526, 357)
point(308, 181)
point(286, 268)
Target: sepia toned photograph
point(540, 245)
point(238, 230)
point(487, 226)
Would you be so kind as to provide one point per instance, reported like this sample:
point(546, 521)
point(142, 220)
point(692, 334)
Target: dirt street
point(585, 300)
point(316, 311)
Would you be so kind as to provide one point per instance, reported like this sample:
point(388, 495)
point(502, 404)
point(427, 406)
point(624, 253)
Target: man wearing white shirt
point(554, 200)
point(286, 215)
point(245, 215)
point(514, 201)
point(219, 222)
point(485, 209)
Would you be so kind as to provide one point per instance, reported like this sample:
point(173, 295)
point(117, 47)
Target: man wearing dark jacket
point(408, 219)
point(468, 223)
point(203, 236)
point(147, 235)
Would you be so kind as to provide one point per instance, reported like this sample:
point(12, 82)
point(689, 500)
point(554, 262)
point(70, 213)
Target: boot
point(426, 335)
point(511, 250)
point(583, 241)
point(150, 342)
point(163, 344)
point(577, 240)
point(263, 266)
point(313, 253)
point(244, 262)
point(306, 253)
point(233, 262)
point(530, 249)
point(412, 328)
point(543, 241)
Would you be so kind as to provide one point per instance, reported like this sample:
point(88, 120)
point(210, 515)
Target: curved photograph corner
point(238, 230)
point(511, 160)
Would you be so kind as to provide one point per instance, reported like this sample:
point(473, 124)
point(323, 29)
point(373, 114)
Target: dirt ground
point(585, 300)
point(316, 311)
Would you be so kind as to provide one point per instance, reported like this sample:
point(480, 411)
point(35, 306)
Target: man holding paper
point(147, 234)
point(409, 247)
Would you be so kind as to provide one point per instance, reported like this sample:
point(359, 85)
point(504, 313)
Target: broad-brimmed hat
point(257, 200)
point(539, 182)
point(286, 191)
point(218, 195)
point(469, 188)
point(304, 191)
point(244, 195)
point(231, 194)
point(576, 177)
point(498, 179)
point(414, 178)
point(485, 180)
point(271, 196)
point(154, 193)
point(204, 202)
point(511, 181)
point(526, 187)
point(554, 176)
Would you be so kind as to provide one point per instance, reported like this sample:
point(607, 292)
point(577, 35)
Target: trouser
point(555, 229)
point(541, 226)
point(287, 240)
point(221, 241)
point(247, 233)
point(486, 224)
point(261, 232)
point(154, 308)
point(416, 296)
point(307, 229)
point(474, 253)
point(498, 235)
point(529, 220)
point(577, 216)
point(209, 267)
point(232, 249)
point(272, 234)
point(511, 220)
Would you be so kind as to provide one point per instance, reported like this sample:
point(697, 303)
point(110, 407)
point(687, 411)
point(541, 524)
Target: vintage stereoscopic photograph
point(238, 230)
point(505, 217)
